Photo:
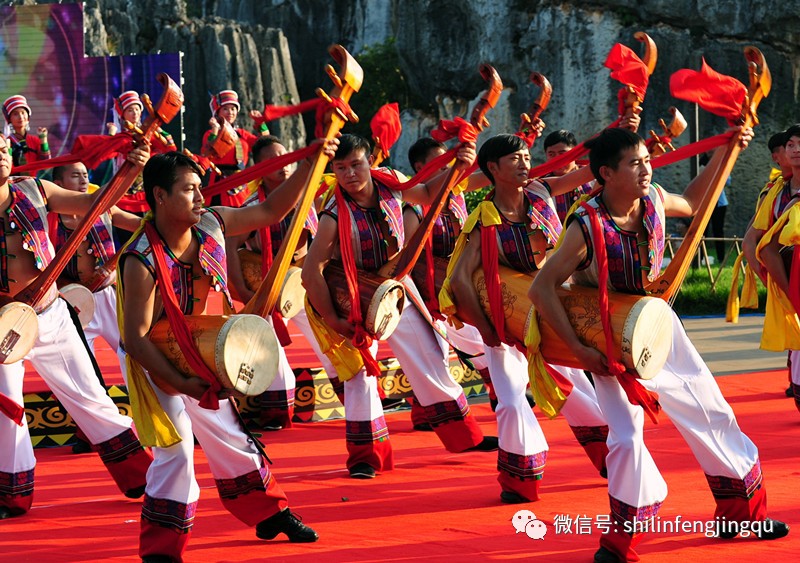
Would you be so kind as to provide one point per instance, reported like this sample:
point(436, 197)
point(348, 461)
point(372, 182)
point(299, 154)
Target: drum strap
point(253, 438)
point(266, 262)
point(177, 321)
point(637, 394)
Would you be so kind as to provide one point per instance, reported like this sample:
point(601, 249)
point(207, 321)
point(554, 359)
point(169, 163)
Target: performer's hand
point(592, 360)
point(746, 136)
point(631, 121)
point(256, 116)
point(139, 155)
point(112, 129)
point(343, 327)
point(42, 131)
point(538, 125)
point(466, 155)
point(195, 387)
point(214, 124)
point(327, 146)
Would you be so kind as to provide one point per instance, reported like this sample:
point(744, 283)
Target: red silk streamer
point(335, 104)
point(431, 299)
point(491, 274)
point(385, 126)
point(361, 340)
point(91, 150)
point(635, 391)
point(266, 262)
point(11, 409)
point(178, 323)
point(628, 68)
point(258, 170)
point(714, 92)
point(134, 203)
point(272, 113)
point(691, 150)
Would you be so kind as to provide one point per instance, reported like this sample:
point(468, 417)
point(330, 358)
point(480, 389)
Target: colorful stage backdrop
point(42, 58)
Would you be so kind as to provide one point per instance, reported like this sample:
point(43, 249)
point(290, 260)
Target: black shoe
point(488, 444)
point(81, 446)
point(157, 559)
point(512, 498)
point(789, 392)
point(362, 471)
point(604, 555)
point(5, 513)
point(136, 492)
point(772, 529)
point(270, 426)
point(604, 473)
point(288, 523)
point(392, 404)
point(424, 427)
point(493, 404)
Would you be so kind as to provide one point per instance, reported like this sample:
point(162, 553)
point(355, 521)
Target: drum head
point(19, 328)
point(247, 354)
point(385, 309)
point(81, 300)
point(293, 293)
point(647, 336)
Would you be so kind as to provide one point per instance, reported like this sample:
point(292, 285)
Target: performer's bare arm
point(61, 200)
point(560, 266)
point(235, 277)
point(469, 306)
point(424, 194)
point(751, 239)
point(773, 263)
point(138, 306)
point(278, 203)
point(123, 219)
point(317, 290)
point(410, 222)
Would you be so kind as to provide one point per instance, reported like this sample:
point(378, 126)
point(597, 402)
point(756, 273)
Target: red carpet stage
point(433, 506)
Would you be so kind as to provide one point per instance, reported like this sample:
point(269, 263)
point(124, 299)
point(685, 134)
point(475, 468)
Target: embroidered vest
point(513, 239)
point(369, 244)
point(210, 234)
point(278, 231)
point(624, 264)
point(783, 201)
point(444, 233)
point(101, 244)
point(565, 201)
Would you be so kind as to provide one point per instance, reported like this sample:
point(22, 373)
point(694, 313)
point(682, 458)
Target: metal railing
point(701, 255)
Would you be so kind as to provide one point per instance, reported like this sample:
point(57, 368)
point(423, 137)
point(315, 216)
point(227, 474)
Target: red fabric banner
point(628, 68)
point(385, 126)
point(714, 92)
point(91, 150)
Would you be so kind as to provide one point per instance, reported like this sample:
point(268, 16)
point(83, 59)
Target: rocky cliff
point(274, 51)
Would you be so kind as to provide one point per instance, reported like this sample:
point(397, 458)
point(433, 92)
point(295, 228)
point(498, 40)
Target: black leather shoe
point(136, 492)
point(424, 427)
point(512, 498)
point(604, 473)
point(604, 555)
point(789, 392)
point(157, 559)
point(5, 512)
point(362, 471)
point(772, 529)
point(81, 447)
point(288, 523)
point(488, 444)
point(391, 404)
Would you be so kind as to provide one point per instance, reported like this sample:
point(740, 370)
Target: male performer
point(774, 207)
point(519, 217)
point(277, 403)
point(182, 247)
point(58, 353)
point(370, 215)
point(225, 107)
point(24, 147)
point(556, 144)
point(629, 216)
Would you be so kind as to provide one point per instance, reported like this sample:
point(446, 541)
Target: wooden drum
point(642, 325)
point(81, 300)
point(241, 349)
point(382, 299)
point(420, 272)
point(292, 295)
point(19, 329)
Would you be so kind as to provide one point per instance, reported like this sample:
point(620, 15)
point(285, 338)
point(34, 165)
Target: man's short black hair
point(607, 147)
point(560, 136)
point(496, 148)
point(264, 142)
point(162, 170)
point(793, 131)
point(776, 141)
point(419, 151)
point(349, 143)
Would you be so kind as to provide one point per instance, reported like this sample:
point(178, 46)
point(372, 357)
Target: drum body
point(81, 300)
point(19, 329)
point(642, 326)
point(420, 276)
point(242, 350)
point(382, 299)
point(292, 295)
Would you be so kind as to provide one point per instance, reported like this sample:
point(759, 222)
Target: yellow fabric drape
point(340, 351)
point(781, 324)
point(154, 427)
point(549, 397)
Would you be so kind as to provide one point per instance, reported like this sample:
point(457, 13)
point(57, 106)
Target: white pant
point(691, 398)
point(468, 339)
point(61, 359)
point(104, 322)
